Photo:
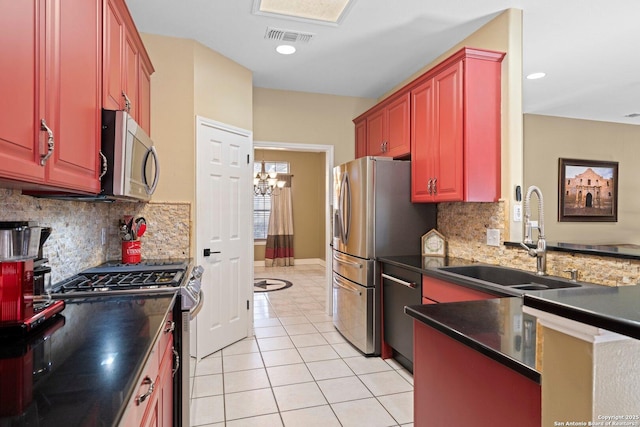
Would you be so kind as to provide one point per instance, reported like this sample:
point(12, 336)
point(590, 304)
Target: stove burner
point(102, 282)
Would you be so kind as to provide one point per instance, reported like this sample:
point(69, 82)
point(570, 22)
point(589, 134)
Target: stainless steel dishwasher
point(400, 287)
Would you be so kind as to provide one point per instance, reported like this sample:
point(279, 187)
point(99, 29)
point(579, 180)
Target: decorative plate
point(434, 244)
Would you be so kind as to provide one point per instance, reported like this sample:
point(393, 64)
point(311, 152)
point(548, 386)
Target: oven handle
point(196, 309)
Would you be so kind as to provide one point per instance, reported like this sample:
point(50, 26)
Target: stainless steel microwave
point(132, 167)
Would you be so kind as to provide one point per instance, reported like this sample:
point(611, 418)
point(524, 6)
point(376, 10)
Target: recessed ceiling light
point(534, 76)
point(285, 49)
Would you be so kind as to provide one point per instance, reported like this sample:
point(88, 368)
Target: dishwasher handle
point(411, 285)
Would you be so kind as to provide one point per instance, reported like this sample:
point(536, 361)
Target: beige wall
point(223, 89)
point(308, 118)
point(308, 195)
point(549, 138)
point(172, 121)
point(567, 383)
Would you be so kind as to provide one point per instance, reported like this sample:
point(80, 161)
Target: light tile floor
point(298, 370)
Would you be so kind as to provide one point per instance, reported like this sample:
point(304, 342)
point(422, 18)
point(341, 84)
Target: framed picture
point(587, 191)
point(433, 244)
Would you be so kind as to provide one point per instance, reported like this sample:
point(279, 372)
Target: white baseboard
point(305, 261)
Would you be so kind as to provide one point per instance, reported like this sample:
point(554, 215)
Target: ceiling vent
point(287, 36)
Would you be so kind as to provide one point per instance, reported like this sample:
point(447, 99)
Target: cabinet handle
point(170, 326)
point(411, 285)
point(50, 143)
point(104, 164)
point(435, 185)
point(429, 186)
point(127, 102)
point(176, 358)
point(143, 397)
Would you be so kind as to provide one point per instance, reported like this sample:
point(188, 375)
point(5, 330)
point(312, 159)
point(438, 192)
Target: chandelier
point(265, 183)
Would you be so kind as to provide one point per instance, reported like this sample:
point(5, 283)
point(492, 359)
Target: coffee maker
point(20, 312)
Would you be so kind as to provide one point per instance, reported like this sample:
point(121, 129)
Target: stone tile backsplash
point(76, 243)
point(465, 227)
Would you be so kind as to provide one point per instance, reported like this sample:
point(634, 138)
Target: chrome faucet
point(540, 252)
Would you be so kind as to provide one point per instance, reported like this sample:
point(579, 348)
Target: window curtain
point(279, 250)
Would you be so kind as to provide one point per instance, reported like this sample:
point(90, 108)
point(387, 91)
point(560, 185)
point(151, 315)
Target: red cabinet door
point(131, 70)
point(455, 129)
point(376, 129)
point(72, 96)
point(112, 58)
point(422, 135)
point(447, 144)
point(144, 98)
point(51, 75)
point(20, 33)
point(361, 138)
point(398, 129)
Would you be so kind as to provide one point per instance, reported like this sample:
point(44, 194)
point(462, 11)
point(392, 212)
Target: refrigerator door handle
point(341, 260)
point(345, 208)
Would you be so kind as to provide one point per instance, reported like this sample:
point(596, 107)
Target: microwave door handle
point(151, 188)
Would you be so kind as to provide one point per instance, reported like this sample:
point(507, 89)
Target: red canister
point(131, 252)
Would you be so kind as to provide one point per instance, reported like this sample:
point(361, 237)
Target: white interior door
point(223, 241)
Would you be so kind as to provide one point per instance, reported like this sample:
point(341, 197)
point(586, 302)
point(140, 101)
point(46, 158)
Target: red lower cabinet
point(152, 403)
point(454, 385)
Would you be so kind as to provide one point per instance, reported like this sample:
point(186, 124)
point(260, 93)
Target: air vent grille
point(288, 36)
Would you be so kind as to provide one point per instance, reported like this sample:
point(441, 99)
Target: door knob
point(207, 252)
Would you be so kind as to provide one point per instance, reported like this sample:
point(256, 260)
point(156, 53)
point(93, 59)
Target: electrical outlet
point(517, 213)
point(103, 236)
point(493, 237)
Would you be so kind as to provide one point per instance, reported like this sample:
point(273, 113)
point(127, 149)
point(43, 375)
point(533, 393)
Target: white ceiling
point(587, 47)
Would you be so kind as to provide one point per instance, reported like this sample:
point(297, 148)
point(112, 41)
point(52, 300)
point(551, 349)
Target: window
point(262, 204)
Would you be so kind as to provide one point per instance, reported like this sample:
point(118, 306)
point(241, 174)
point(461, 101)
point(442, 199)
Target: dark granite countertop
point(496, 328)
point(80, 368)
point(616, 309)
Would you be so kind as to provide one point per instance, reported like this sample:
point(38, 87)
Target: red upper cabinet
point(398, 137)
point(50, 118)
point(387, 128)
point(21, 27)
point(455, 129)
point(127, 67)
point(361, 137)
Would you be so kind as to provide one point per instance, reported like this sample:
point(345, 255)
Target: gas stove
point(115, 278)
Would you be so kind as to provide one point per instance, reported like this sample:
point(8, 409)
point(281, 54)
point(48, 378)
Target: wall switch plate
point(493, 237)
point(103, 236)
point(517, 213)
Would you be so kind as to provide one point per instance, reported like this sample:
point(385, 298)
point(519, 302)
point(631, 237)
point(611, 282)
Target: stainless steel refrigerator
point(372, 216)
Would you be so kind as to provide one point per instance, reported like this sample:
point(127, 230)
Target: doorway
point(328, 169)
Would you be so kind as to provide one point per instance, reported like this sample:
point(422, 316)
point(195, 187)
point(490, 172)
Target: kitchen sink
point(511, 277)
